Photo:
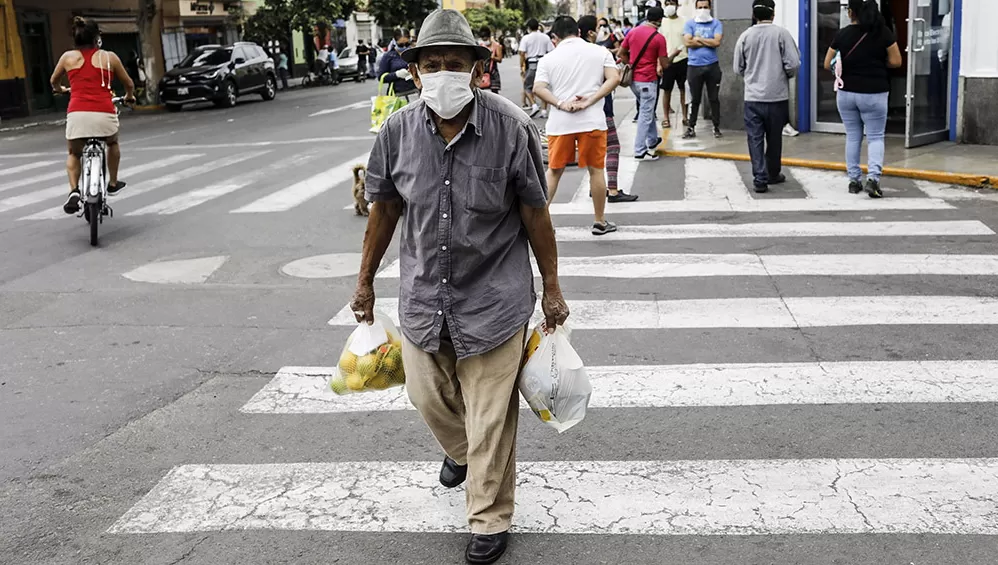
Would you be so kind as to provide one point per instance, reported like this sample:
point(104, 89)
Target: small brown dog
point(359, 202)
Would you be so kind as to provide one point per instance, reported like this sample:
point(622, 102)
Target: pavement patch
point(324, 266)
point(183, 271)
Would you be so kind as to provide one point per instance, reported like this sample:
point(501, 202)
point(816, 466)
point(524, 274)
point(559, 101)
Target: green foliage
point(271, 21)
point(498, 19)
point(400, 13)
point(306, 13)
point(529, 8)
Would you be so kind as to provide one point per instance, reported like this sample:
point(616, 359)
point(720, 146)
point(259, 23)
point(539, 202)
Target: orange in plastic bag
point(371, 359)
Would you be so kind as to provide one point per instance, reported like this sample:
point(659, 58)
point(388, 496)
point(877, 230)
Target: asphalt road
point(812, 411)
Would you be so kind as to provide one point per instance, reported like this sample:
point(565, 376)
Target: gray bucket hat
point(445, 28)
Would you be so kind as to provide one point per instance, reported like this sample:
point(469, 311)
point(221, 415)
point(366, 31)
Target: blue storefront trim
point(804, 75)
point(956, 32)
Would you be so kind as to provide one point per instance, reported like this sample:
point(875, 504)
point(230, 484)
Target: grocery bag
point(384, 105)
point(553, 380)
point(371, 359)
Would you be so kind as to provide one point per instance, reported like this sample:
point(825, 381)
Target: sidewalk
point(945, 162)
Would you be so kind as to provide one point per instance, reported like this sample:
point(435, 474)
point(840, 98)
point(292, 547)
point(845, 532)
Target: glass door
point(928, 98)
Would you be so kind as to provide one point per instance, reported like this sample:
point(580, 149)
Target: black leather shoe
point(778, 179)
point(486, 548)
point(452, 474)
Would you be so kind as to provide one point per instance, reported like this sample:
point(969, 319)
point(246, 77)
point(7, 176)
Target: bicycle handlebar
point(116, 100)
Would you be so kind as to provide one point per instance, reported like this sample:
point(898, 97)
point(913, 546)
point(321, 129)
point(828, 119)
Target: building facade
point(947, 88)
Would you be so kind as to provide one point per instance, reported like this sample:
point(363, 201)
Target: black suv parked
point(219, 74)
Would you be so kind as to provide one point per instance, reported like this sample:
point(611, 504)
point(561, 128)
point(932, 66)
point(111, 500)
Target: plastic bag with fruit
point(371, 359)
point(554, 381)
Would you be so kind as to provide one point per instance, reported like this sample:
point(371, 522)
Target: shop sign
point(200, 7)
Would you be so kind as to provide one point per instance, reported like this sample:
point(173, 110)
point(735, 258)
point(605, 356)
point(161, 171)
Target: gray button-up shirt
point(464, 251)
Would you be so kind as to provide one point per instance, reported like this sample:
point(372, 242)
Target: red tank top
point(91, 87)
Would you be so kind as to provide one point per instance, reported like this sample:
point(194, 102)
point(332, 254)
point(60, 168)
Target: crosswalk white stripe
point(827, 185)
point(714, 179)
point(649, 266)
point(57, 191)
point(354, 106)
point(26, 167)
point(199, 196)
point(304, 390)
point(788, 312)
point(707, 497)
point(36, 179)
point(856, 204)
point(780, 229)
point(149, 185)
point(303, 191)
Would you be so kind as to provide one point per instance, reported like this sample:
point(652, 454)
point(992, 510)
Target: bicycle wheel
point(93, 215)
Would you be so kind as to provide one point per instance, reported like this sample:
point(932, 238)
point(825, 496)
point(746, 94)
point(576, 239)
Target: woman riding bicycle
point(91, 113)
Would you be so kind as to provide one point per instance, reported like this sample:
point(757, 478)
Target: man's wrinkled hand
point(362, 304)
point(555, 309)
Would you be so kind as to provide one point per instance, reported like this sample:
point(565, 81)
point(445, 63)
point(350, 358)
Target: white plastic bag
point(371, 359)
point(554, 381)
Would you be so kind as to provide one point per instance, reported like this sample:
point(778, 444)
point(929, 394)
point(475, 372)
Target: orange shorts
point(591, 145)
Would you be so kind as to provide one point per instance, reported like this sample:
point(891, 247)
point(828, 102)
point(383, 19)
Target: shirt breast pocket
point(487, 193)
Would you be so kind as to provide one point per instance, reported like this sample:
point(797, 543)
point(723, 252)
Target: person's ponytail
point(868, 14)
point(85, 32)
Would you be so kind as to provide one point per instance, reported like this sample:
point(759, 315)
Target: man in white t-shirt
point(574, 79)
point(533, 46)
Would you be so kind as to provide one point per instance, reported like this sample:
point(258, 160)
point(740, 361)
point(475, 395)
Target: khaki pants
point(472, 406)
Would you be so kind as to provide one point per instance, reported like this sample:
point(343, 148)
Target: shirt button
point(440, 312)
point(443, 247)
point(446, 183)
point(445, 216)
point(444, 281)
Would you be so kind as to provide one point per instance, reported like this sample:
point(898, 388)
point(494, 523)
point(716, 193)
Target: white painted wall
point(787, 14)
point(979, 56)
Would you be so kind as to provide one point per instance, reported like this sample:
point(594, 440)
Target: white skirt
point(84, 125)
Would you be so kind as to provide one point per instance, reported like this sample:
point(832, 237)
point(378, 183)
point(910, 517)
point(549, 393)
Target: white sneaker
point(789, 131)
point(544, 114)
point(533, 110)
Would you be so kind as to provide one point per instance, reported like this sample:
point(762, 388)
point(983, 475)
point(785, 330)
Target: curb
point(149, 108)
point(971, 180)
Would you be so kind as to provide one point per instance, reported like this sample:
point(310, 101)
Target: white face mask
point(703, 15)
point(670, 11)
point(446, 92)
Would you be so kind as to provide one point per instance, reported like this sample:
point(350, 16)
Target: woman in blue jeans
point(866, 49)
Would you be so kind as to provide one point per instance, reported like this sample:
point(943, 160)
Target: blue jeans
point(647, 134)
point(858, 110)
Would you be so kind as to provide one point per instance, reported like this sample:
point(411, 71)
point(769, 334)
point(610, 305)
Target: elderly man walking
point(466, 166)
point(767, 57)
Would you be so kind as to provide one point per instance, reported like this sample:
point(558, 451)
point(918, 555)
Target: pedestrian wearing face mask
point(591, 31)
point(703, 35)
point(675, 74)
point(574, 79)
point(394, 68)
point(466, 166)
point(647, 52)
point(767, 56)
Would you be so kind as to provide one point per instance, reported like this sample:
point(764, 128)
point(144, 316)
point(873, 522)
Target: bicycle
point(94, 179)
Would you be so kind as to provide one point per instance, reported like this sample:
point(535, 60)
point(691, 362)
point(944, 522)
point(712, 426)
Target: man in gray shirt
point(462, 170)
point(767, 57)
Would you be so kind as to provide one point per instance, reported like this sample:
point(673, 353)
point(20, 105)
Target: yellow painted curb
point(977, 181)
point(149, 108)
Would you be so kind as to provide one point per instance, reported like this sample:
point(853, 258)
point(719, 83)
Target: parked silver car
point(348, 61)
